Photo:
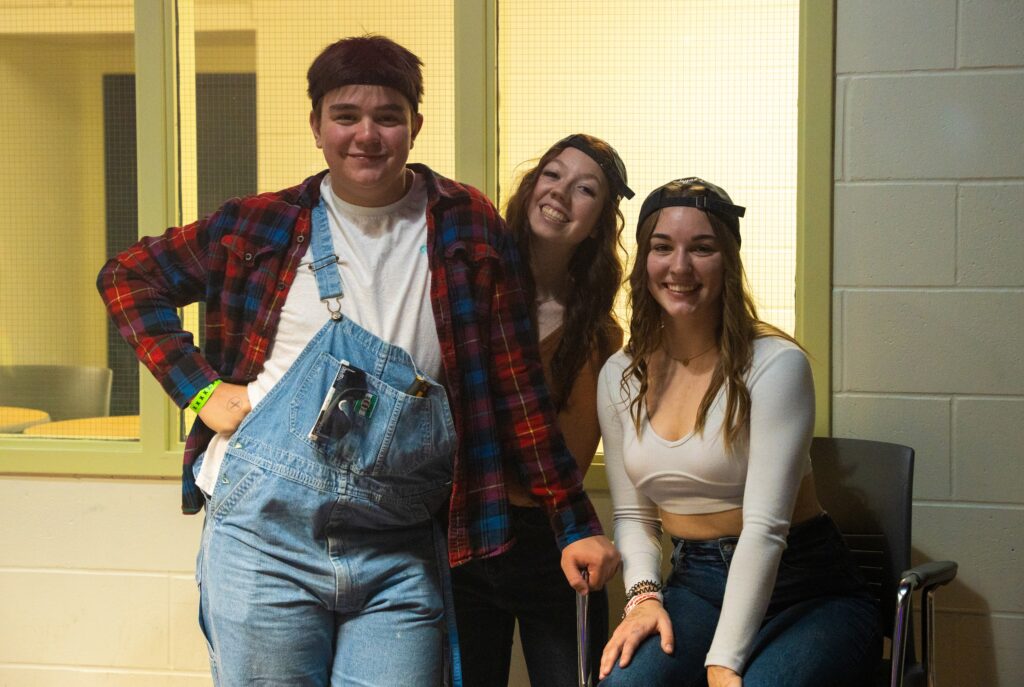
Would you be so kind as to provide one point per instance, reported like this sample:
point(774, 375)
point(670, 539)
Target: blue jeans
point(526, 584)
point(821, 629)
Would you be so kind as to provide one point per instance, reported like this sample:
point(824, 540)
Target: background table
point(114, 427)
point(14, 419)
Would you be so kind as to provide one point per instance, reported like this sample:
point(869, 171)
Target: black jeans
point(526, 584)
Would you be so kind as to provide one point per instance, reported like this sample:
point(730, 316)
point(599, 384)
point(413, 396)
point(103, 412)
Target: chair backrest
point(867, 486)
point(63, 391)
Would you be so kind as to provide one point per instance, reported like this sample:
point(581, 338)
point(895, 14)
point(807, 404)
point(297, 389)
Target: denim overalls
point(322, 560)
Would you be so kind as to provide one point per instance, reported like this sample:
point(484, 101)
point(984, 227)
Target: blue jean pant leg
point(829, 641)
point(397, 636)
point(525, 584)
point(284, 607)
point(266, 617)
point(693, 602)
point(821, 627)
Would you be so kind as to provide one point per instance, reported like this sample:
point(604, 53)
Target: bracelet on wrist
point(642, 587)
point(203, 396)
point(639, 599)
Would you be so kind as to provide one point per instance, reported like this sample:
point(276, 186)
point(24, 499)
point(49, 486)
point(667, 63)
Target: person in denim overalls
point(367, 361)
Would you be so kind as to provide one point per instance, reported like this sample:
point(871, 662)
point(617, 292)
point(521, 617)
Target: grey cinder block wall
point(928, 296)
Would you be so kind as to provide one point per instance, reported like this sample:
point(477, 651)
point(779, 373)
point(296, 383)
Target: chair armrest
point(926, 577)
point(929, 575)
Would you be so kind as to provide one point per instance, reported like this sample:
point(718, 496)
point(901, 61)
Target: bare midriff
point(729, 523)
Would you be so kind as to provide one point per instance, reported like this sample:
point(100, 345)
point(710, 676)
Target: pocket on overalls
point(360, 422)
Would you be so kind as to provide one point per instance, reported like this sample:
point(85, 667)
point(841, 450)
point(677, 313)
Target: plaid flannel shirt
point(241, 261)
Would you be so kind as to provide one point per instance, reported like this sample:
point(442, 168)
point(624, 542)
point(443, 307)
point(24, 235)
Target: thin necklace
point(686, 361)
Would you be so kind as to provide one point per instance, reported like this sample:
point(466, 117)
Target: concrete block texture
point(986, 651)
point(990, 33)
point(934, 341)
point(921, 423)
point(838, 128)
point(979, 650)
point(990, 234)
point(876, 35)
point(986, 543)
point(58, 618)
point(838, 383)
point(97, 525)
point(934, 126)
point(20, 676)
point(188, 650)
point(894, 235)
point(988, 450)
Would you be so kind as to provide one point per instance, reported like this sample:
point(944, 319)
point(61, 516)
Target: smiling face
point(366, 133)
point(567, 199)
point(685, 269)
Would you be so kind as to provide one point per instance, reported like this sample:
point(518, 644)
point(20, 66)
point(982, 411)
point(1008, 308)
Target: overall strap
point(328, 281)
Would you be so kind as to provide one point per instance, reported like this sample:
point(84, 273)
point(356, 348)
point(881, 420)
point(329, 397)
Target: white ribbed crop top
point(761, 474)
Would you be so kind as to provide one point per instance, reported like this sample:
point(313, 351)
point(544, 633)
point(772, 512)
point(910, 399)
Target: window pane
point(696, 88)
point(67, 170)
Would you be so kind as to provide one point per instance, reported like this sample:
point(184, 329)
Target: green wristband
point(203, 396)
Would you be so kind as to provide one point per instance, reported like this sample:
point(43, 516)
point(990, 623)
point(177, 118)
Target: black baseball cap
point(707, 197)
point(614, 171)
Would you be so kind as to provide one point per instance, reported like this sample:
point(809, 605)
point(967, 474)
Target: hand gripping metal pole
point(582, 635)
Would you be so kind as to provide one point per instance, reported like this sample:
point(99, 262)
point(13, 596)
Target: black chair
point(65, 392)
point(866, 486)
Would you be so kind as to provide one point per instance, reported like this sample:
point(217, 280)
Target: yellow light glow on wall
point(685, 88)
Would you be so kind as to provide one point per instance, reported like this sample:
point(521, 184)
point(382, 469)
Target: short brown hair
point(370, 60)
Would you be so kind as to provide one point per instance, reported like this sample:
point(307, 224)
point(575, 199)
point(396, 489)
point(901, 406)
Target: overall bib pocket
point(368, 426)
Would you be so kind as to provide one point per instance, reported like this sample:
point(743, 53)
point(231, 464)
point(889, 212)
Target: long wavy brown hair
point(739, 325)
point(595, 272)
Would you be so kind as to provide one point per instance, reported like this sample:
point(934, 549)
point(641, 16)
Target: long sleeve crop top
point(695, 474)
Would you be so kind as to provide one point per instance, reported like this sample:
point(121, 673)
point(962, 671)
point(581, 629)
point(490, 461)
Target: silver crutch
point(582, 635)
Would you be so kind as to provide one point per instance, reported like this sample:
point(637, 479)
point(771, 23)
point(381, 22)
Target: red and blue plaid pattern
point(241, 261)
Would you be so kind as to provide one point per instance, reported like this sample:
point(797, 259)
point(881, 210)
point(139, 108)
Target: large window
point(698, 88)
point(66, 99)
point(110, 134)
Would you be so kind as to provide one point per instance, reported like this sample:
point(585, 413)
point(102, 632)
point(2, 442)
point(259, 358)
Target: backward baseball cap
point(707, 197)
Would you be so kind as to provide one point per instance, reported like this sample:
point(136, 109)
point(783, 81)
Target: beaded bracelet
point(203, 396)
point(642, 587)
point(639, 599)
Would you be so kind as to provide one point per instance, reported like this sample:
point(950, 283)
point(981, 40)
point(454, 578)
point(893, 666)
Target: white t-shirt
point(385, 277)
point(695, 474)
